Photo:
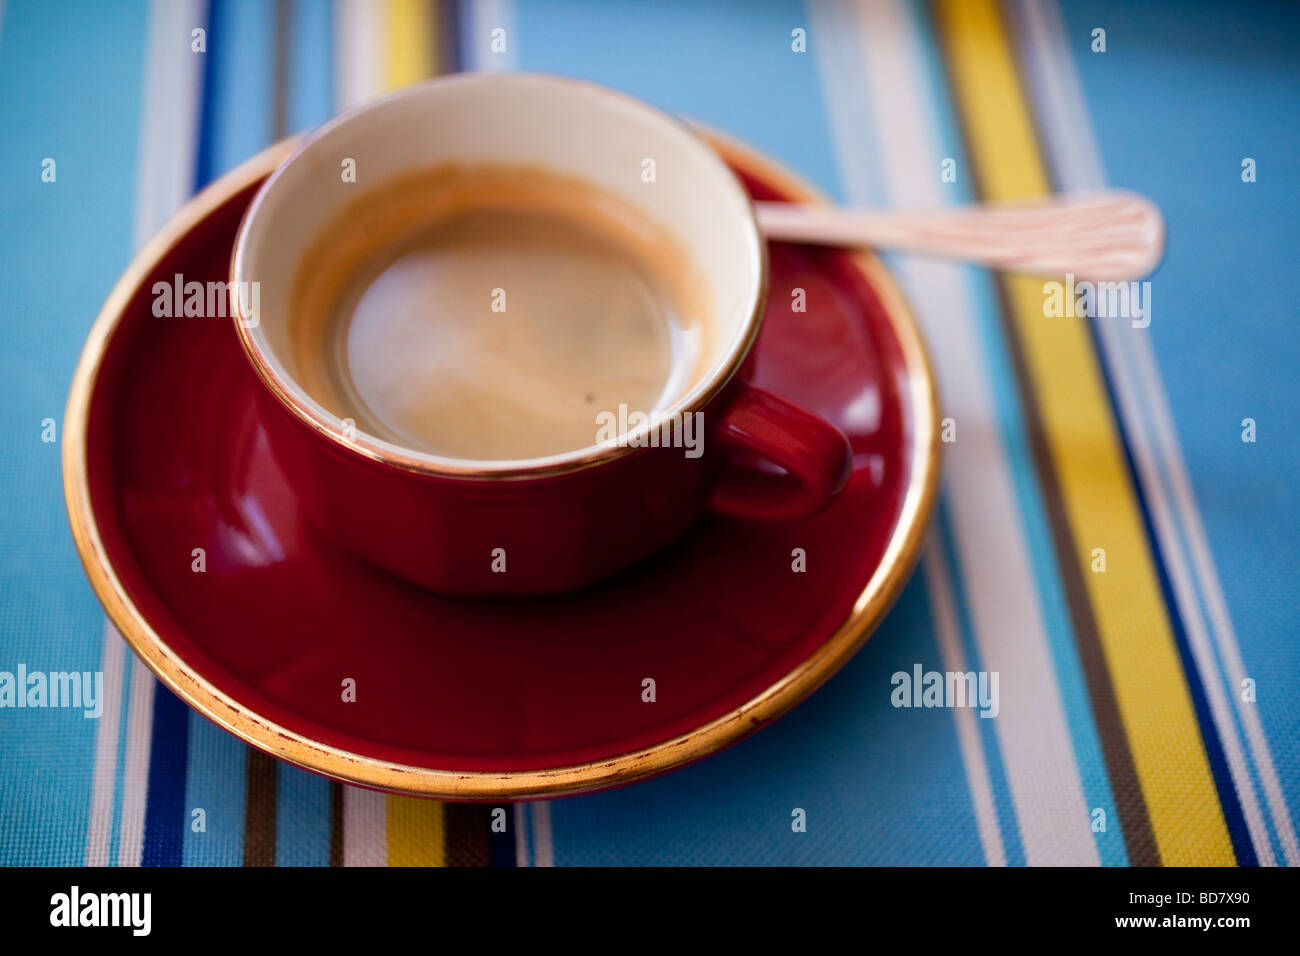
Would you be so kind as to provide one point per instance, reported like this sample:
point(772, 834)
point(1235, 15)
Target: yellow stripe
point(415, 827)
point(411, 44)
point(1136, 637)
point(415, 832)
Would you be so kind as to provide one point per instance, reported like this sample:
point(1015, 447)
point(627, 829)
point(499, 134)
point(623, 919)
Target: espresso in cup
point(493, 312)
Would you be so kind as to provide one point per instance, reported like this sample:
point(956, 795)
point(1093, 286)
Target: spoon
point(1108, 236)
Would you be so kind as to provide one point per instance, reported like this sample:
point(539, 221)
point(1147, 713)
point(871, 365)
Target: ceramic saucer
point(482, 699)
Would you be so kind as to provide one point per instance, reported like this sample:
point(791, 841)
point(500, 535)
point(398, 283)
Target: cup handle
point(814, 454)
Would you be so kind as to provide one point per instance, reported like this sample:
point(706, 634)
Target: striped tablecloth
point(1148, 712)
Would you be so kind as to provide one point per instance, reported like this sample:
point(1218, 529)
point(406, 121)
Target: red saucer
point(481, 699)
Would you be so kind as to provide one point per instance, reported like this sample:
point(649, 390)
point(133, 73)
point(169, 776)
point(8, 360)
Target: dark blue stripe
point(1232, 812)
point(204, 163)
point(164, 820)
point(503, 844)
point(165, 816)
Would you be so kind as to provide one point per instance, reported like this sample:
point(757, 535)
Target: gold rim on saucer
point(876, 598)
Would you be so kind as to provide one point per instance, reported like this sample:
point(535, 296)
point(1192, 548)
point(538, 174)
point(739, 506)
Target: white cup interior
point(566, 126)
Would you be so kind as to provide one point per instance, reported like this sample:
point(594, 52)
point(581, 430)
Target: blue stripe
point(302, 821)
point(1086, 743)
point(119, 760)
point(164, 829)
point(215, 783)
point(238, 85)
point(69, 90)
point(205, 162)
point(310, 97)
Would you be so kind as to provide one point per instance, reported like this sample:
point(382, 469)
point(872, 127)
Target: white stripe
point(521, 834)
point(365, 827)
point(135, 770)
point(360, 29)
point(997, 573)
point(172, 80)
point(479, 19)
point(938, 584)
point(1144, 407)
point(169, 122)
point(543, 850)
point(99, 833)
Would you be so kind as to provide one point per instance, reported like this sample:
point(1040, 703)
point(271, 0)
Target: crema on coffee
point(492, 313)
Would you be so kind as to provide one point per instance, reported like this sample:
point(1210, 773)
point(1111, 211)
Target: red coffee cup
point(539, 525)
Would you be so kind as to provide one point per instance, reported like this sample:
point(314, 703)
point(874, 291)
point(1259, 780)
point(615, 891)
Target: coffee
point(492, 313)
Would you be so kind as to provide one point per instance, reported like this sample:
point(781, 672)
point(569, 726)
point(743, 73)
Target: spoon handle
point(1107, 236)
